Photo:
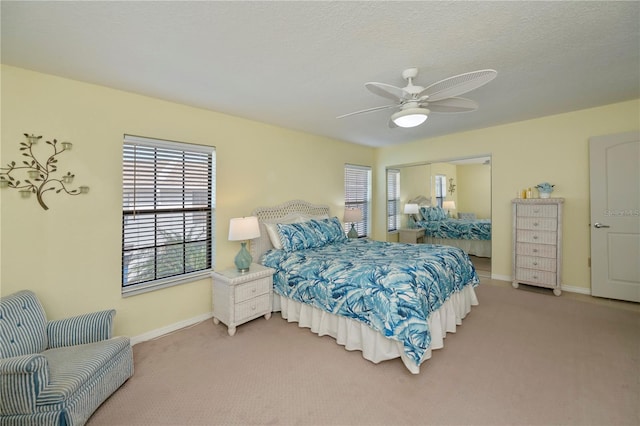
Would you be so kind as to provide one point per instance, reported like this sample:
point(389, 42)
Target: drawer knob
point(253, 290)
point(253, 307)
point(535, 277)
point(535, 223)
point(535, 250)
point(535, 237)
point(536, 211)
point(535, 263)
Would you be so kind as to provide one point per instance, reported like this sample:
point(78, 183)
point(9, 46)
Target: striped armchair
point(57, 372)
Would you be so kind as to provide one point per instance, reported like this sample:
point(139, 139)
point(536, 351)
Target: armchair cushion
point(23, 325)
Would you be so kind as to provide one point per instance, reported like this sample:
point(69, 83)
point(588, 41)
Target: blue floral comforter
point(391, 287)
point(457, 229)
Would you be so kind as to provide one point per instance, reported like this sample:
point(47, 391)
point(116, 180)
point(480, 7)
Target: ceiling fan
point(414, 103)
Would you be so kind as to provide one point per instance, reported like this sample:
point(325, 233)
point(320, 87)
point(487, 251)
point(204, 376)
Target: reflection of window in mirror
point(441, 189)
point(393, 199)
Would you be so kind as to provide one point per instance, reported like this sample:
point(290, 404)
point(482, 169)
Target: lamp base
point(411, 222)
point(243, 258)
point(353, 233)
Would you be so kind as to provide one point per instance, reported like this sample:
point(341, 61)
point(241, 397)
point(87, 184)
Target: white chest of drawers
point(239, 297)
point(537, 242)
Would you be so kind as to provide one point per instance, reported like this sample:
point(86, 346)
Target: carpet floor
point(522, 357)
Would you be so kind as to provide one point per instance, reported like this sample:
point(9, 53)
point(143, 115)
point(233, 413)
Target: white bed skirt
point(375, 347)
point(480, 248)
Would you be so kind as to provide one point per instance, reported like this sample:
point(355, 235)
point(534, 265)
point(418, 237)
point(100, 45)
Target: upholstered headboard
point(295, 207)
point(420, 200)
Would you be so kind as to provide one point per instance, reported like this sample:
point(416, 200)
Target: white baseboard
point(501, 277)
point(564, 287)
point(574, 289)
point(154, 334)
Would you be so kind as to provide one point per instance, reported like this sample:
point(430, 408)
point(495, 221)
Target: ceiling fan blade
point(458, 84)
point(368, 110)
point(386, 90)
point(453, 105)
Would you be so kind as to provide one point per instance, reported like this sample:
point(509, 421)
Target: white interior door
point(615, 216)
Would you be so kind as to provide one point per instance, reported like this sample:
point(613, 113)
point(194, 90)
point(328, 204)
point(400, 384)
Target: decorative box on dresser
point(537, 242)
point(239, 297)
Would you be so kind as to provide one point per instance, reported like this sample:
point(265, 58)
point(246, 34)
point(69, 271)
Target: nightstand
point(411, 235)
point(239, 297)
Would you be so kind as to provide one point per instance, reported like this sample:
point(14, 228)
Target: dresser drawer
point(538, 237)
point(252, 308)
point(543, 224)
point(536, 277)
point(539, 250)
point(252, 289)
point(539, 263)
point(535, 210)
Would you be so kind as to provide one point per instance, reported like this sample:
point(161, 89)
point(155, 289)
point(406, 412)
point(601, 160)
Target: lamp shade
point(410, 117)
point(410, 209)
point(244, 228)
point(352, 215)
point(449, 205)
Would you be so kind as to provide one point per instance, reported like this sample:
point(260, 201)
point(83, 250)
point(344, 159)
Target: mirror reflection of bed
point(466, 182)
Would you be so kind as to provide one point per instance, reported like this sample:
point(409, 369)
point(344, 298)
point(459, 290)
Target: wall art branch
point(39, 177)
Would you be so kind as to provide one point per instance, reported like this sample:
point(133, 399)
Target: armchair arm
point(86, 328)
point(22, 378)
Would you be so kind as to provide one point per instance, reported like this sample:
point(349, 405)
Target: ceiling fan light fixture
point(410, 117)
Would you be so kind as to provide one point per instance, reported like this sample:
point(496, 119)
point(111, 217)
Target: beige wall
point(552, 149)
point(473, 189)
point(70, 254)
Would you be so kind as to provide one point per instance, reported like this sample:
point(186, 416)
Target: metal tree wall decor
point(452, 186)
point(39, 177)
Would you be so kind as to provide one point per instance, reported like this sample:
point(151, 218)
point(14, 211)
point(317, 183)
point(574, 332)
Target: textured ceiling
point(301, 64)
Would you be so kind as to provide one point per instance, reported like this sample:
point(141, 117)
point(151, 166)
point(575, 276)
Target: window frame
point(190, 160)
point(357, 194)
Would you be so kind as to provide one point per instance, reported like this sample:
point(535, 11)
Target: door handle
point(599, 225)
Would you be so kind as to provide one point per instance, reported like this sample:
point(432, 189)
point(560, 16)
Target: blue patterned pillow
point(311, 234)
point(433, 213)
point(440, 213)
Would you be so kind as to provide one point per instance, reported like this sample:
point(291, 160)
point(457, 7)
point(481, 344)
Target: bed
point(471, 235)
point(387, 300)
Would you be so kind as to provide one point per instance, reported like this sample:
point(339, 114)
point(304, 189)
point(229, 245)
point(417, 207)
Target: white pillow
point(272, 225)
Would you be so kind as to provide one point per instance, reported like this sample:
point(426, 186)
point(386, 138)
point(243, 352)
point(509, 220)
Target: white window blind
point(357, 194)
point(393, 199)
point(441, 189)
point(167, 212)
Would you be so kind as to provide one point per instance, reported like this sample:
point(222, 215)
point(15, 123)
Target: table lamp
point(243, 229)
point(448, 206)
point(410, 210)
point(352, 215)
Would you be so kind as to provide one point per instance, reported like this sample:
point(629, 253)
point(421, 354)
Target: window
point(441, 189)
point(393, 199)
point(357, 194)
point(168, 206)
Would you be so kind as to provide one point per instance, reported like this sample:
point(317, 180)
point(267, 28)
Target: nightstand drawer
point(539, 263)
point(537, 210)
point(252, 289)
point(252, 308)
point(538, 237)
point(536, 277)
point(538, 250)
point(543, 224)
